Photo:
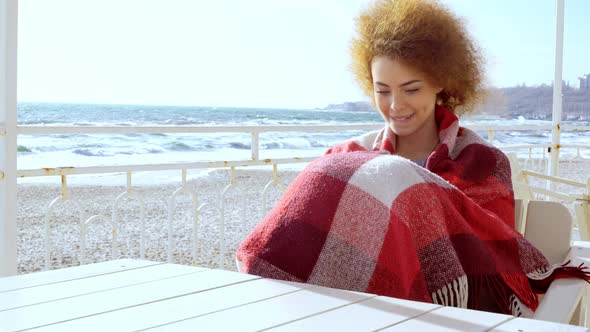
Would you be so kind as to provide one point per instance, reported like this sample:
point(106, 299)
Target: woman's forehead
point(395, 71)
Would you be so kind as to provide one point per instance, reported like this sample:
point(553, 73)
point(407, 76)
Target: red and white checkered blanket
point(362, 220)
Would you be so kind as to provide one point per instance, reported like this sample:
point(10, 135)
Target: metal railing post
point(557, 93)
point(8, 38)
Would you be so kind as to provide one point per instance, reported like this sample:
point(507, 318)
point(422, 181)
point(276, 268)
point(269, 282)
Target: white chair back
point(548, 226)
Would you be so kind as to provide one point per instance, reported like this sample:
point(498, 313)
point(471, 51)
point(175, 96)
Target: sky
point(255, 53)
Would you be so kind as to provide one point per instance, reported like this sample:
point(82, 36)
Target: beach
point(245, 195)
point(243, 210)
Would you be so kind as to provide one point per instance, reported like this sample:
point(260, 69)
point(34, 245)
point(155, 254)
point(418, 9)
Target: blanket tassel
point(540, 285)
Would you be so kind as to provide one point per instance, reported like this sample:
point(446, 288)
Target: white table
point(127, 295)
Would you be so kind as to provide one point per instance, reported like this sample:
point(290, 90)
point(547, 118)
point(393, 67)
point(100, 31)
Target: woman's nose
point(394, 103)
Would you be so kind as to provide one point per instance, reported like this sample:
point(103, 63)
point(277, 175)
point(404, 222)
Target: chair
point(525, 191)
point(547, 225)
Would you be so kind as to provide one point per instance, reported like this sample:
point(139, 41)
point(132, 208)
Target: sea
point(78, 150)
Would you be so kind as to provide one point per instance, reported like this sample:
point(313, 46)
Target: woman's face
point(404, 96)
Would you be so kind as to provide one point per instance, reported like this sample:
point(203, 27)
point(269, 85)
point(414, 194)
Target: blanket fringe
point(494, 292)
point(520, 285)
point(540, 280)
point(518, 309)
point(515, 293)
point(454, 294)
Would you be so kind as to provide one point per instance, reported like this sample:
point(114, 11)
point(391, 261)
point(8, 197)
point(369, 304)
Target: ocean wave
point(283, 145)
point(84, 124)
point(154, 151)
point(292, 144)
point(32, 122)
point(23, 149)
point(92, 145)
point(239, 145)
point(87, 152)
point(316, 144)
point(273, 145)
point(179, 146)
point(91, 153)
point(183, 122)
point(69, 136)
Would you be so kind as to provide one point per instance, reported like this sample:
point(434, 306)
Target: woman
point(415, 60)
point(422, 209)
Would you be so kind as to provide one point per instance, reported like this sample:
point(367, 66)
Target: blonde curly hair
point(425, 35)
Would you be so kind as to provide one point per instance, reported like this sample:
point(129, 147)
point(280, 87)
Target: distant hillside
point(535, 102)
point(356, 106)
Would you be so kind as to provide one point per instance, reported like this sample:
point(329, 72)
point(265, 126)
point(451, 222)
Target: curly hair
point(425, 35)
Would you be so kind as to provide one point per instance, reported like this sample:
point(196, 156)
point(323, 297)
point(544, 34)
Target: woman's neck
point(420, 144)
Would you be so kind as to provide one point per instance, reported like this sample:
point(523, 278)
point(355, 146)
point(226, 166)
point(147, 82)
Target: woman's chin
point(397, 130)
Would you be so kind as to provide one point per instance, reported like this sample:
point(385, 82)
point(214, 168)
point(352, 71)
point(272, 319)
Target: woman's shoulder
point(479, 154)
point(468, 137)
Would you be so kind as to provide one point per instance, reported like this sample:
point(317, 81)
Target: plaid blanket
point(362, 219)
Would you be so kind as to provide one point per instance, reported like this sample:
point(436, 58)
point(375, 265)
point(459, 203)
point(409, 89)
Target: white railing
point(219, 208)
point(255, 132)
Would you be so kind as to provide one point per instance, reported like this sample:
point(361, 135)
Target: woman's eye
point(410, 91)
point(382, 92)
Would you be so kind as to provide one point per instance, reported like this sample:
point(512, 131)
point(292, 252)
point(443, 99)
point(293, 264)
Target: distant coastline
point(352, 106)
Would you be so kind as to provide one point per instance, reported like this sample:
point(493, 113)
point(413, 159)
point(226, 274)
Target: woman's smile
point(403, 118)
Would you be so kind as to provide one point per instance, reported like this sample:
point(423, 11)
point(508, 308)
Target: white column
point(255, 146)
point(557, 92)
point(8, 37)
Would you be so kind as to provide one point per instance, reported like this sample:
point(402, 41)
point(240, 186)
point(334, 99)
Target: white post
point(255, 146)
point(557, 92)
point(8, 35)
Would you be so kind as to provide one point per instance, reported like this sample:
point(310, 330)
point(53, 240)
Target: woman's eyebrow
point(401, 85)
point(408, 83)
